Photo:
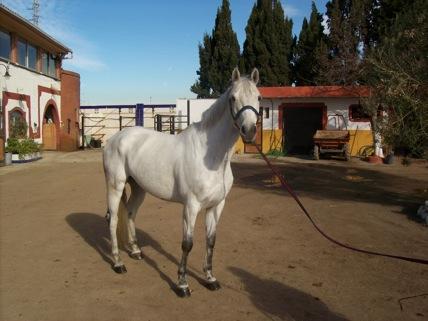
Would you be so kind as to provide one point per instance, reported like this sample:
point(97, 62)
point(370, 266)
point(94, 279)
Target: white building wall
point(334, 106)
point(197, 107)
point(25, 82)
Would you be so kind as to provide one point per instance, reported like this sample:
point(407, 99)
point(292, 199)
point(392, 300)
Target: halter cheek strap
point(246, 107)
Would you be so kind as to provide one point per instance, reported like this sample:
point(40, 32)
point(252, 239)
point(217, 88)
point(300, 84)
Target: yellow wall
point(360, 139)
point(272, 140)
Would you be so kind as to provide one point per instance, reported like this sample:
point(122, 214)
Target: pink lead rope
point(293, 194)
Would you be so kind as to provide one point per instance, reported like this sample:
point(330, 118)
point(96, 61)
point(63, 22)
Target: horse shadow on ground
point(284, 302)
point(94, 230)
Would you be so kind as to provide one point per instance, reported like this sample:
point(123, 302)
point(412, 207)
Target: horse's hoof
point(183, 292)
point(136, 256)
point(213, 286)
point(120, 269)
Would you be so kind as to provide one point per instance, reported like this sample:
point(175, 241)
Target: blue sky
point(143, 51)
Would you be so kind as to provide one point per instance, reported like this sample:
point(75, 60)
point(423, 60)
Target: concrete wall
point(197, 107)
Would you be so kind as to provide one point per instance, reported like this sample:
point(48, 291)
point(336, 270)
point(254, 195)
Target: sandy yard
point(271, 263)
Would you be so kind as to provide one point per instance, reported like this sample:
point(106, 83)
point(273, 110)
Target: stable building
point(290, 116)
point(35, 88)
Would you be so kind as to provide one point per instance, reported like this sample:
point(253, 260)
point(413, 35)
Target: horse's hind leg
point(134, 202)
point(114, 195)
point(211, 220)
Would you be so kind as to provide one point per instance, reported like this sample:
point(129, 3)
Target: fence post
point(120, 122)
point(188, 112)
point(83, 131)
point(159, 122)
point(171, 125)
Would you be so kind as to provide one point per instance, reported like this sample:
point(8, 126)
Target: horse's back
point(145, 155)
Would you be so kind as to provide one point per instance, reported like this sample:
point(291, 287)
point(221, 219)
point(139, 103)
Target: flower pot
point(374, 159)
point(389, 159)
point(8, 159)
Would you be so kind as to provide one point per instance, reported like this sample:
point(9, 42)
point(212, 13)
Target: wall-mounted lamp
point(6, 74)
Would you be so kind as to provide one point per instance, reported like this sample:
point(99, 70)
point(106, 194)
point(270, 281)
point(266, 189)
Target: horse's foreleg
point(135, 201)
point(212, 217)
point(189, 218)
point(114, 195)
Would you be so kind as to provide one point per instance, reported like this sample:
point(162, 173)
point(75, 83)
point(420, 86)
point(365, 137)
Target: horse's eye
point(232, 98)
point(259, 98)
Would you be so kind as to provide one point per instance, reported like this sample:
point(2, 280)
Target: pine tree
point(306, 63)
point(268, 43)
point(218, 55)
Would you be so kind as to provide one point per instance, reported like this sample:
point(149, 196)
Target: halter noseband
point(235, 117)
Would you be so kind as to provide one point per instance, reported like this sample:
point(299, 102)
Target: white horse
point(192, 168)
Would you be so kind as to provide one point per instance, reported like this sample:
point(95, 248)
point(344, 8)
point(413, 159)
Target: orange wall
point(70, 104)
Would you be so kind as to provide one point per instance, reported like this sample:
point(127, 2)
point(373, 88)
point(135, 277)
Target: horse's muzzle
point(248, 133)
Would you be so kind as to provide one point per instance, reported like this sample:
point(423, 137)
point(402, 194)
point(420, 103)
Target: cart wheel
point(316, 152)
point(346, 152)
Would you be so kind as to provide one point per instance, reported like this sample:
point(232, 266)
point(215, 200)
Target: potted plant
point(21, 148)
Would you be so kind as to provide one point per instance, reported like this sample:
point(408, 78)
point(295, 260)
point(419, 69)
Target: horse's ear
point(235, 74)
point(255, 75)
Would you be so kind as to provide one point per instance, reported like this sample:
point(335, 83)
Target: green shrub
point(276, 153)
point(22, 146)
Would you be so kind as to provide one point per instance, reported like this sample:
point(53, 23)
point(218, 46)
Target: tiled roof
point(314, 91)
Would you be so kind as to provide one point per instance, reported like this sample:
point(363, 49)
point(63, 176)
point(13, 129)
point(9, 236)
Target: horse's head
point(244, 99)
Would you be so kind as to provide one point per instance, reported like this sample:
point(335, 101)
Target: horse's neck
point(220, 135)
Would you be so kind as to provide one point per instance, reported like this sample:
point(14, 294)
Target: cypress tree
point(311, 37)
point(268, 43)
point(202, 86)
point(218, 55)
point(346, 36)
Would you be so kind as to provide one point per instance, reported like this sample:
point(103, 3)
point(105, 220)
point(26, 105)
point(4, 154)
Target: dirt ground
point(272, 264)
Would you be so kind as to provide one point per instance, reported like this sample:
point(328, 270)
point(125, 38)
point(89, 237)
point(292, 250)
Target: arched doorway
point(50, 128)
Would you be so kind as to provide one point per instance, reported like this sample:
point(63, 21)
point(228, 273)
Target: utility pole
point(35, 12)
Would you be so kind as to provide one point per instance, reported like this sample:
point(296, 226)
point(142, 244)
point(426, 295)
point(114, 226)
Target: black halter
point(235, 117)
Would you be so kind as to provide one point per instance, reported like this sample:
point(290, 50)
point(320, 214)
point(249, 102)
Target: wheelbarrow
point(334, 141)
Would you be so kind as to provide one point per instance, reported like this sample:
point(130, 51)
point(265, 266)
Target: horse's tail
point(122, 222)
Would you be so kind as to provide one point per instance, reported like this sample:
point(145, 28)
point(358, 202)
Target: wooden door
point(1, 148)
point(251, 148)
point(49, 137)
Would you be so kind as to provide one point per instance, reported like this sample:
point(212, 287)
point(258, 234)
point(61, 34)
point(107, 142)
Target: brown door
point(251, 148)
point(49, 137)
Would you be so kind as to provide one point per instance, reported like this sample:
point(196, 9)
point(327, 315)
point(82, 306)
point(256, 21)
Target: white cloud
point(325, 24)
point(291, 11)
point(55, 21)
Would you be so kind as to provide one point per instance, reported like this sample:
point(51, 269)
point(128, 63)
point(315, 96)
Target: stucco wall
point(30, 92)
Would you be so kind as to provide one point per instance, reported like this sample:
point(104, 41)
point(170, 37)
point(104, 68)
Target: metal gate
point(169, 123)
